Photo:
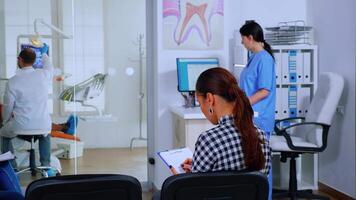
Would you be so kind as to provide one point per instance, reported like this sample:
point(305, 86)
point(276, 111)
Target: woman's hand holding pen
point(187, 165)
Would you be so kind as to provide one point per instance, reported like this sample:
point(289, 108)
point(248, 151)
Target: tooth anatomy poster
point(193, 24)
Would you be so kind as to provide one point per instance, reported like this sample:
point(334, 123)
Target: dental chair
point(84, 91)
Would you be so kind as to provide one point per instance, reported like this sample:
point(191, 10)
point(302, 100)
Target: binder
point(284, 103)
point(278, 67)
point(299, 67)
point(307, 61)
point(292, 100)
point(285, 67)
point(292, 67)
point(278, 109)
point(303, 100)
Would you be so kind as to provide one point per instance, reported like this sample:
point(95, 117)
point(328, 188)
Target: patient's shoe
point(72, 124)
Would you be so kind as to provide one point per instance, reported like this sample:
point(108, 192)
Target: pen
point(174, 171)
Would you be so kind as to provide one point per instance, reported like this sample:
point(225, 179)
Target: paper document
point(176, 157)
point(6, 156)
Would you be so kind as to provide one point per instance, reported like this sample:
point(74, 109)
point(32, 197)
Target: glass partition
point(96, 98)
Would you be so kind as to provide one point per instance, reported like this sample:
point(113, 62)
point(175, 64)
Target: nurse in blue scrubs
point(258, 78)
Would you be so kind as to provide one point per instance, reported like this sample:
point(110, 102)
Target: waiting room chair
point(85, 187)
point(310, 135)
point(215, 186)
point(6, 195)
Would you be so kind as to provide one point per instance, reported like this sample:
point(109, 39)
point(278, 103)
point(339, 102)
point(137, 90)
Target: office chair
point(215, 186)
point(85, 187)
point(310, 135)
point(32, 136)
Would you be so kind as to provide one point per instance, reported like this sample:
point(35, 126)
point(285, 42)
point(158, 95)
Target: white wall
point(335, 34)
point(2, 45)
point(163, 63)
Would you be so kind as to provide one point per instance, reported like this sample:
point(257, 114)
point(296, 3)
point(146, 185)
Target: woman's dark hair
point(221, 82)
point(255, 30)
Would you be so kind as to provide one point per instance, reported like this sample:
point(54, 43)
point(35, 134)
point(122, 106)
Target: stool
point(32, 136)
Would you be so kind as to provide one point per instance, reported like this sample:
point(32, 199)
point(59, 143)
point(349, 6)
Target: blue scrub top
point(259, 74)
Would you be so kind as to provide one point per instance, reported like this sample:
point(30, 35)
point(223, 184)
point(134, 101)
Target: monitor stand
point(189, 99)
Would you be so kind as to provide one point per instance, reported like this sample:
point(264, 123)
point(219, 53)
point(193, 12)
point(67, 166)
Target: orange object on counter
point(60, 134)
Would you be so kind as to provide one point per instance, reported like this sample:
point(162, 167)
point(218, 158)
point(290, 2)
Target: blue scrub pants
point(44, 147)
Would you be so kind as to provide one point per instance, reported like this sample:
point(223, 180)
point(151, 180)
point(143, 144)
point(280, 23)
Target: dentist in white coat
point(25, 103)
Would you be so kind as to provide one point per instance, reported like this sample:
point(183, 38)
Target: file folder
point(284, 103)
point(303, 100)
point(307, 67)
point(292, 67)
point(278, 67)
point(278, 111)
point(285, 67)
point(299, 65)
point(292, 100)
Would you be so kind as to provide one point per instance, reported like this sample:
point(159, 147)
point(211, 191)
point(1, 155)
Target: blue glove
point(44, 49)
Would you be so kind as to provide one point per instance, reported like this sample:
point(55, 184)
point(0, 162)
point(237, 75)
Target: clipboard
point(176, 157)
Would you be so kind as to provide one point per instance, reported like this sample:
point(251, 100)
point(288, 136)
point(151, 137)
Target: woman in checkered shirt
point(235, 143)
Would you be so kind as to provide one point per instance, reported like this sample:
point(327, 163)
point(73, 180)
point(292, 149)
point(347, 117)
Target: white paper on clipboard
point(176, 157)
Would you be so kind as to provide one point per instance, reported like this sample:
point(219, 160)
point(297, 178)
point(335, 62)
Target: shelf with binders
point(296, 65)
point(293, 100)
point(296, 79)
point(296, 83)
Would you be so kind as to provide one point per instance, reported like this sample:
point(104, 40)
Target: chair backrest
point(323, 106)
point(85, 187)
point(216, 186)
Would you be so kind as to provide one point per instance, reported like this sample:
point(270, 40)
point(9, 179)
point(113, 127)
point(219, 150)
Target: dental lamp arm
point(55, 29)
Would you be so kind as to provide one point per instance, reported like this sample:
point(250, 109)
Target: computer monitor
point(38, 62)
point(189, 69)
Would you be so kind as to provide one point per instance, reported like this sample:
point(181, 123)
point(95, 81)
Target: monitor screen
point(189, 69)
point(38, 62)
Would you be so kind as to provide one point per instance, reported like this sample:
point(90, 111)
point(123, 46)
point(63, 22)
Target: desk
point(188, 124)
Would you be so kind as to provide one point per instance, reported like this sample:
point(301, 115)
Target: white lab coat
point(25, 100)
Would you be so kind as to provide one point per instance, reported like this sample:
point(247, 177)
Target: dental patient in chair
point(66, 130)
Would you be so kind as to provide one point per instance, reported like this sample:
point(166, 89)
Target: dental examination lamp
point(84, 91)
point(35, 39)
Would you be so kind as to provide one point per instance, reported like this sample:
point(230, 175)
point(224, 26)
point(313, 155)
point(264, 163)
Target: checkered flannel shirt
point(220, 149)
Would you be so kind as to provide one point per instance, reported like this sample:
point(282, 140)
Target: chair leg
point(32, 162)
point(293, 192)
point(33, 158)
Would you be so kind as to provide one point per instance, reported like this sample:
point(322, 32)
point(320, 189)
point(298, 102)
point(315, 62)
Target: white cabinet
point(296, 78)
point(188, 124)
